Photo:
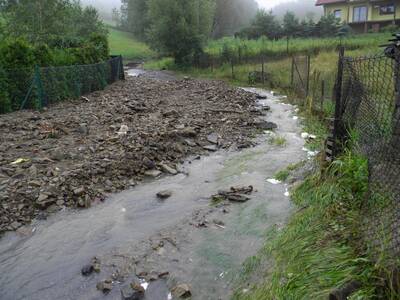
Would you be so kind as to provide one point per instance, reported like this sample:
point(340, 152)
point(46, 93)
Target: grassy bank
point(123, 43)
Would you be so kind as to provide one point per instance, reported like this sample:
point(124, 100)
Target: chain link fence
point(368, 112)
point(40, 87)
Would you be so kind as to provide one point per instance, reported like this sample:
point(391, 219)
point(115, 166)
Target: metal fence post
point(322, 94)
point(39, 86)
point(262, 69)
point(233, 70)
point(337, 126)
point(292, 74)
point(308, 75)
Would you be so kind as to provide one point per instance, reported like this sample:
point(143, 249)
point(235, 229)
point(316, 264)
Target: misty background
point(301, 8)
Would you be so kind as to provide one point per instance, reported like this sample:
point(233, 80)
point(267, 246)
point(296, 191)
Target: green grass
point(314, 253)
point(123, 43)
point(284, 174)
point(279, 141)
point(296, 46)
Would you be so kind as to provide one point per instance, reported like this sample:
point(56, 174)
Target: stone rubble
point(75, 153)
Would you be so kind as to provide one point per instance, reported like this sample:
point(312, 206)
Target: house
point(363, 15)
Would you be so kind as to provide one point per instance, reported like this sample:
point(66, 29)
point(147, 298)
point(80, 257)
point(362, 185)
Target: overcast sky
point(113, 3)
point(270, 3)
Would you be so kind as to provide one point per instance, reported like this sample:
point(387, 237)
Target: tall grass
point(296, 46)
point(314, 254)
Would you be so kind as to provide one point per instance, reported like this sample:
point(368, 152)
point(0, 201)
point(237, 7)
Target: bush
point(17, 53)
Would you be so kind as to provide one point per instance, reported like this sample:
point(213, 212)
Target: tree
point(39, 21)
point(232, 15)
point(291, 25)
point(327, 26)
point(264, 24)
point(180, 27)
point(134, 17)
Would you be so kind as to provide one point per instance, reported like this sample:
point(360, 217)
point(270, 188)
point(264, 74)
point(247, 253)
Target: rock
point(188, 132)
point(238, 198)
point(83, 129)
point(15, 225)
point(105, 286)
point(87, 270)
point(181, 291)
point(164, 194)
point(153, 173)
point(44, 201)
point(264, 125)
point(261, 97)
point(79, 191)
point(213, 138)
point(128, 293)
point(168, 169)
point(149, 164)
point(123, 130)
point(190, 143)
point(211, 148)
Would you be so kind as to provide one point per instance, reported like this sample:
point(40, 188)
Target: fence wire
point(370, 113)
point(38, 87)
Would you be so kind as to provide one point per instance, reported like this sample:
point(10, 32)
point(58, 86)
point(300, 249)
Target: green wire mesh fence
point(40, 87)
point(368, 112)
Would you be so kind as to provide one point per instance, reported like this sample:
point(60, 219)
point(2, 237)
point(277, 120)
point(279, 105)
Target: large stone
point(213, 138)
point(153, 173)
point(164, 194)
point(181, 291)
point(105, 286)
point(211, 148)
point(168, 169)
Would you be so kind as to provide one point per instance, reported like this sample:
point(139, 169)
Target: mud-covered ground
point(74, 153)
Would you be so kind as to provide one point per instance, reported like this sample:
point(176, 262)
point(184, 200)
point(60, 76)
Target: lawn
point(123, 43)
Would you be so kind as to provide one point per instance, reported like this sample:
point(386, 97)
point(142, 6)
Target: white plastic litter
point(169, 297)
point(123, 209)
point(295, 117)
point(123, 130)
point(287, 194)
point(144, 285)
point(305, 135)
point(273, 181)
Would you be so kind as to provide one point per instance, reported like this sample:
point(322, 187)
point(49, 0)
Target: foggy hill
point(104, 6)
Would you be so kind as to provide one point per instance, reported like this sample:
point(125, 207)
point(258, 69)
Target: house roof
point(323, 2)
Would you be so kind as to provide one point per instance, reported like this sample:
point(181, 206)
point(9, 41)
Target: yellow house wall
point(373, 13)
point(330, 9)
point(377, 17)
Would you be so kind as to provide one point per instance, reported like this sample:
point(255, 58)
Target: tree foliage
point(232, 15)
point(266, 24)
point(45, 20)
point(180, 27)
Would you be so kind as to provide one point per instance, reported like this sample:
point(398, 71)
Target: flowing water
point(46, 263)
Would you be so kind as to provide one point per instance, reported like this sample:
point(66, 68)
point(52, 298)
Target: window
point(360, 14)
point(338, 14)
point(387, 9)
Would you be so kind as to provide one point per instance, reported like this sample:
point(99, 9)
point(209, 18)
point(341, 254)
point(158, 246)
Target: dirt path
point(182, 238)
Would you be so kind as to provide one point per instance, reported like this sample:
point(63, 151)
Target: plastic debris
point(305, 135)
point(20, 161)
point(295, 117)
point(273, 181)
